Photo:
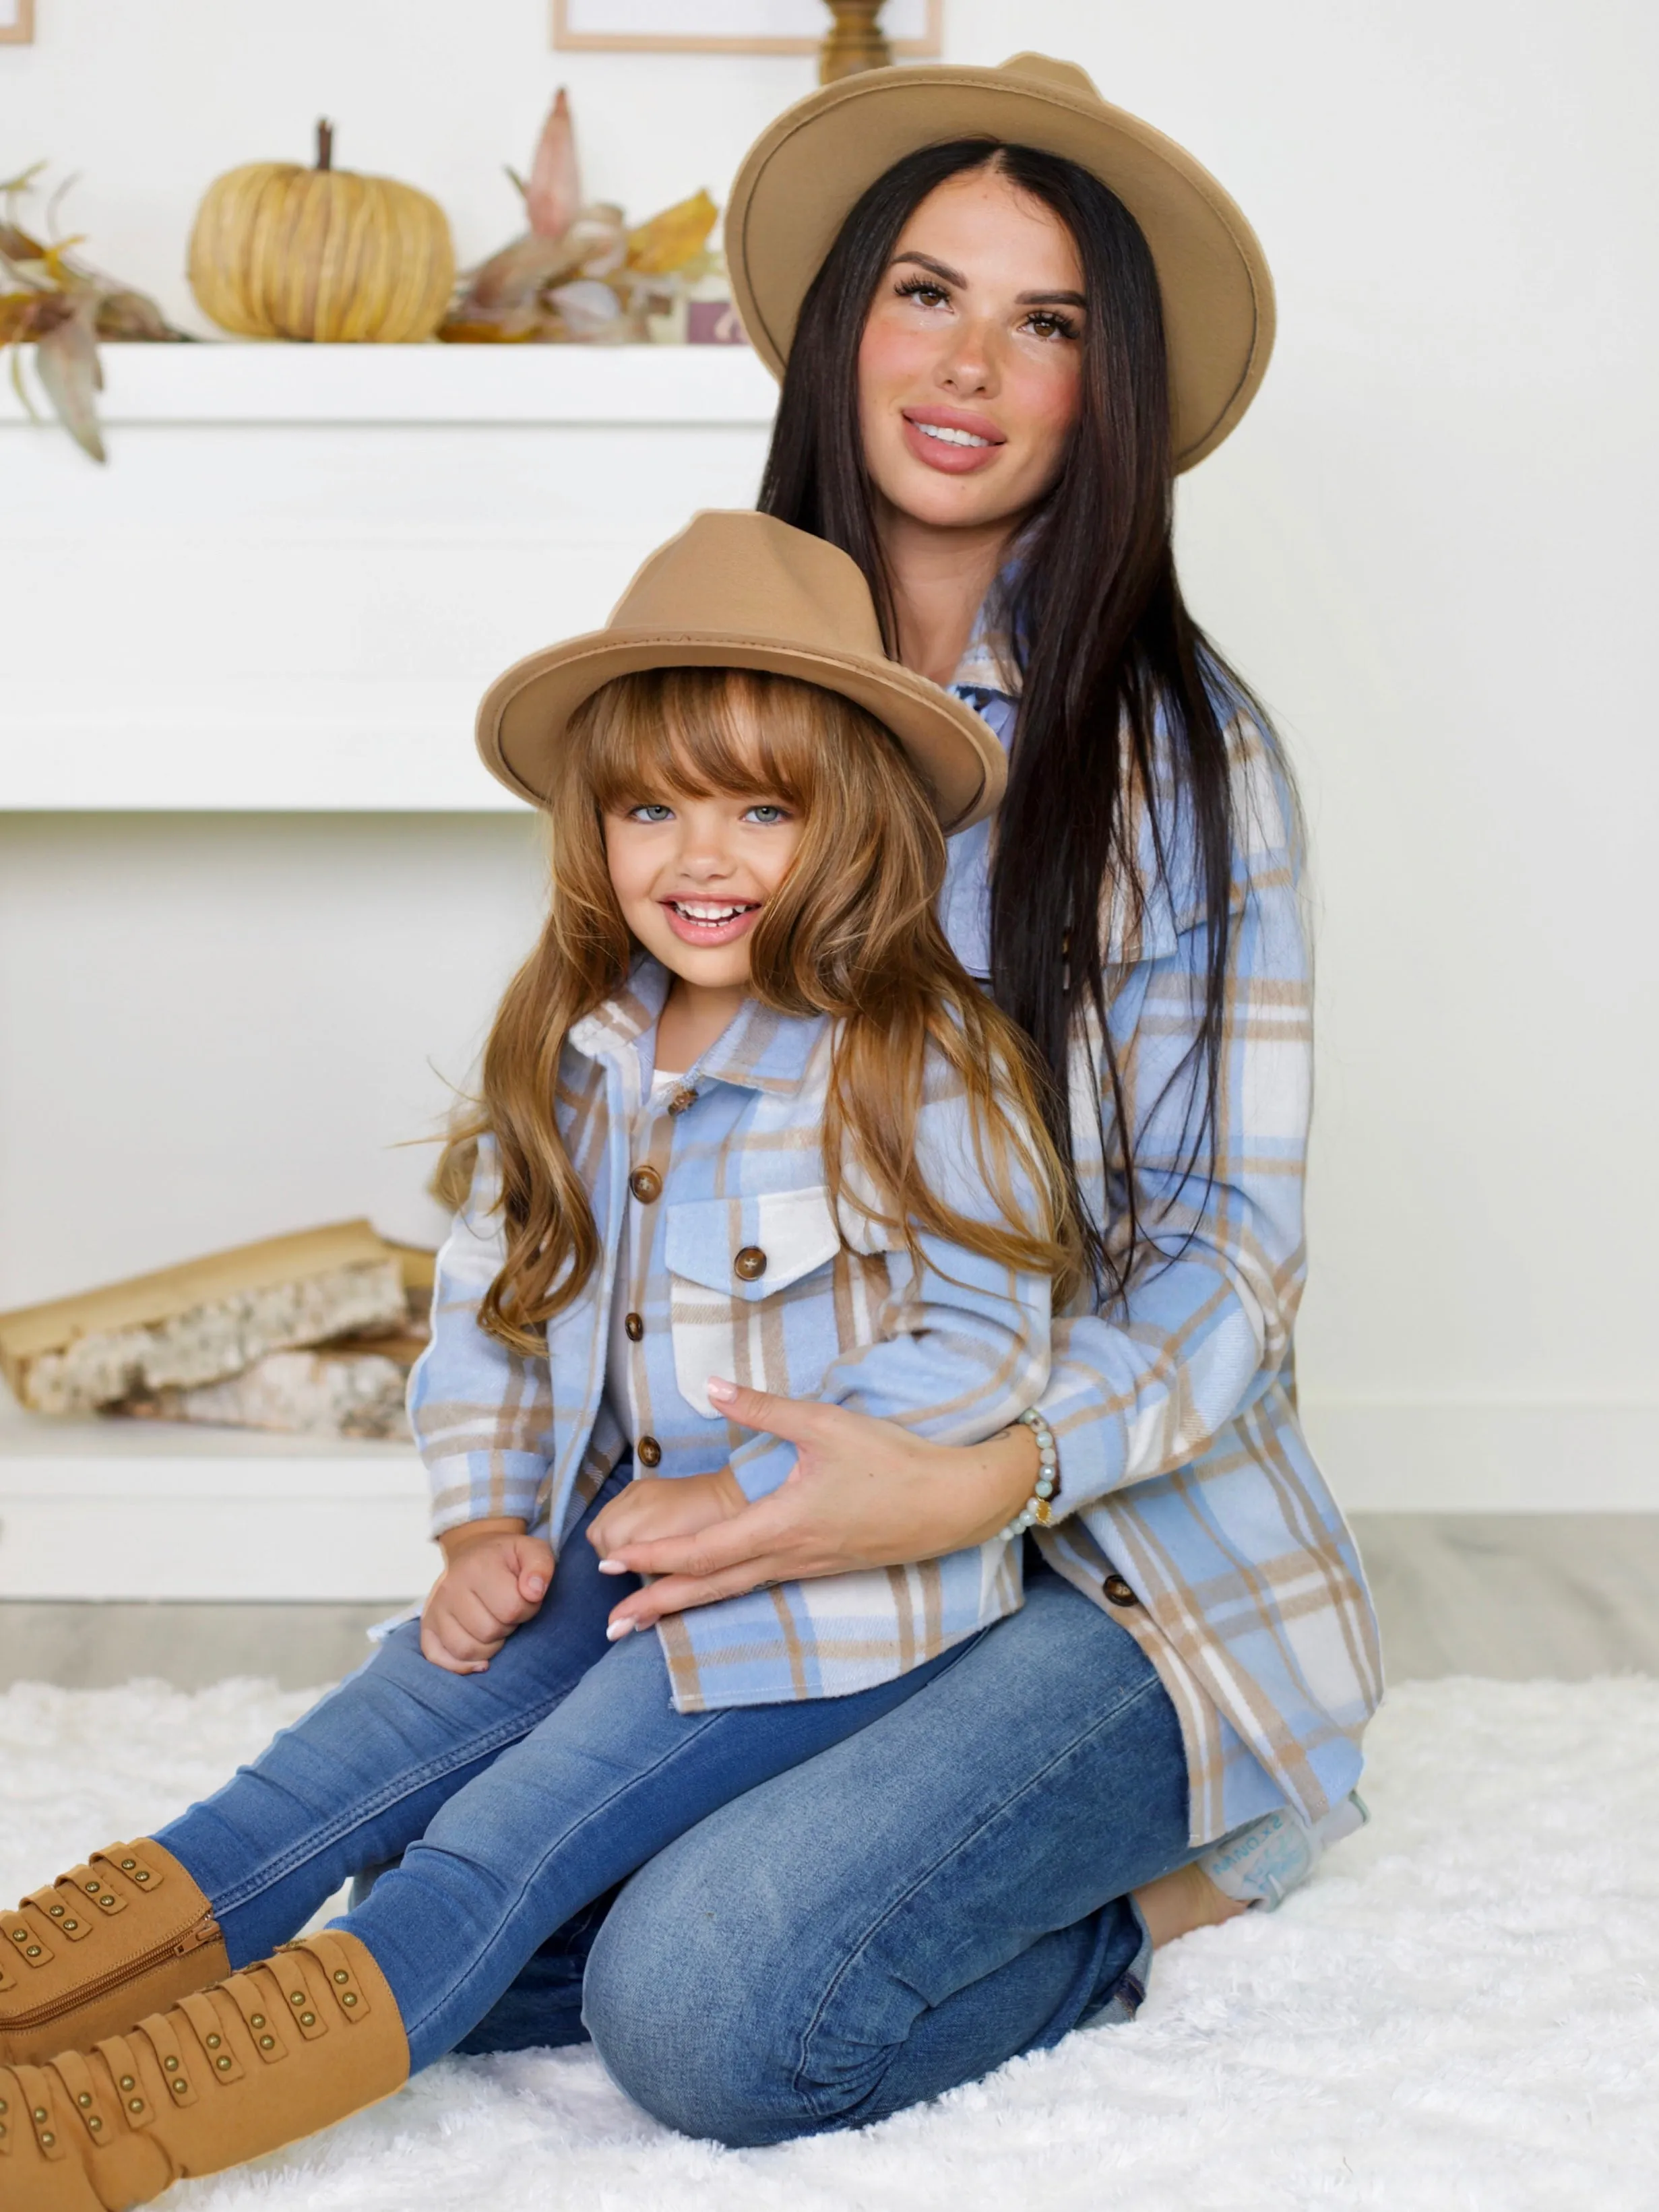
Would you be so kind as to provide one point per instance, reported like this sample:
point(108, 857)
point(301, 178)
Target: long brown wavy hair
point(1125, 703)
point(850, 933)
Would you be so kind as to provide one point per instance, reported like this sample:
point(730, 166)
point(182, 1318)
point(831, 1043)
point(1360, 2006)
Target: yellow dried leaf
point(458, 331)
point(57, 269)
point(17, 245)
point(672, 239)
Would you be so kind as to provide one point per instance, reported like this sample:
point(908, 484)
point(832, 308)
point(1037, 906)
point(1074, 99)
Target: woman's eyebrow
point(927, 261)
point(1051, 299)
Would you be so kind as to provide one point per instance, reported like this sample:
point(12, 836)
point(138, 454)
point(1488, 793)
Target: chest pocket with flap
point(753, 1291)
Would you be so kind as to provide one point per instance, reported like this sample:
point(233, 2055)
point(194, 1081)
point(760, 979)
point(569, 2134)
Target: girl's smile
point(707, 921)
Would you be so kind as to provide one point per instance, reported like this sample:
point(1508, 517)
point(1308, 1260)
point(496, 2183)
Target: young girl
point(744, 1118)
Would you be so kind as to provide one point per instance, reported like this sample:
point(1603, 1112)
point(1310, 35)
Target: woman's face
point(971, 365)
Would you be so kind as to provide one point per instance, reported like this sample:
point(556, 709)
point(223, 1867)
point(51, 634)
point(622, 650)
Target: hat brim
point(803, 177)
point(524, 715)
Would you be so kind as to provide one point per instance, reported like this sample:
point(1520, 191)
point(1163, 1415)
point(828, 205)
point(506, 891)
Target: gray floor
point(1514, 1595)
point(90, 1647)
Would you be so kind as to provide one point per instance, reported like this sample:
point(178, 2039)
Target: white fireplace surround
point(284, 594)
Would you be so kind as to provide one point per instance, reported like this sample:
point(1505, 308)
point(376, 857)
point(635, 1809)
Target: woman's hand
point(651, 1507)
point(865, 1493)
point(494, 1580)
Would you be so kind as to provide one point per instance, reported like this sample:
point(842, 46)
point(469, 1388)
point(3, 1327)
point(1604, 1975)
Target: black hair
point(1120, 754)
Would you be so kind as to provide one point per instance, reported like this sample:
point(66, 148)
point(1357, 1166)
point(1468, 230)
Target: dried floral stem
point(63, 308)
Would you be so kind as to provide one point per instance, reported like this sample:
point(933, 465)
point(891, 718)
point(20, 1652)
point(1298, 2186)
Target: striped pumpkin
point(279, 251)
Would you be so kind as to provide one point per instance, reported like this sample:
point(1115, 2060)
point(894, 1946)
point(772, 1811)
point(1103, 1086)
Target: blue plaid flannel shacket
point(1188, 1481)
point(1195, 1514)
point(735, 1264)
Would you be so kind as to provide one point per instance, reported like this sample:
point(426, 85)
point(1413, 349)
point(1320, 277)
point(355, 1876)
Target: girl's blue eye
point(765, 815)
point(653, 812)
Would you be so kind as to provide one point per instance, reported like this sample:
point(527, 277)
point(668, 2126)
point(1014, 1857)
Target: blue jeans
point(841, 1906)
point(493, 1856)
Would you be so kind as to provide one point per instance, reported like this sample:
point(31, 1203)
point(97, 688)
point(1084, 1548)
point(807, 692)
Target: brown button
point(646, 1184)
point(648, 1452)
point(750, 1264)
point(633, 1328)
point(1119, 1591)
point(681, 1100)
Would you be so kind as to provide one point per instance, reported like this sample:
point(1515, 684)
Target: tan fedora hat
point(740, 590)
point(804, 175)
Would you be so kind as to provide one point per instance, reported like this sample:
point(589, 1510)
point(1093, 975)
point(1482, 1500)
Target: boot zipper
point(205, 1931)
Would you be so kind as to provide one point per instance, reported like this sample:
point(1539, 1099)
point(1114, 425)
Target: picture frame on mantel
point(914, 27)
point(16, 22)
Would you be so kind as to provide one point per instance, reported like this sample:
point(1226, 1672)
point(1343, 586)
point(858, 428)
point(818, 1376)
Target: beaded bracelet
point(1035, 1513)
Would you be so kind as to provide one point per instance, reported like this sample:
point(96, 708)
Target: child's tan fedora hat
point(740, 590)
point(803, 177)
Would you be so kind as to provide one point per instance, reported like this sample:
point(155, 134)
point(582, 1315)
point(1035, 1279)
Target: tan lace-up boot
point(259, 2060)
point(124, 1934)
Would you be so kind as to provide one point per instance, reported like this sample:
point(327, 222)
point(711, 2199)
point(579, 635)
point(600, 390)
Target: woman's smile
point(948, 439)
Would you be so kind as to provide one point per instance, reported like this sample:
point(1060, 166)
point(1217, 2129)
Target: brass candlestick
point(854, 41)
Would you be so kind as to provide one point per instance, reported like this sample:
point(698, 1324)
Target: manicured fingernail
point(612, 1567)
point(720, 1388)
point(618, 1629)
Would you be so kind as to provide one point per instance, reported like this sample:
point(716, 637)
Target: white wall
point(252, 1021)
point(1430, 545)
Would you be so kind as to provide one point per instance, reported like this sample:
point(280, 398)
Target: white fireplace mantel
point(302, 564)
point(230, 383)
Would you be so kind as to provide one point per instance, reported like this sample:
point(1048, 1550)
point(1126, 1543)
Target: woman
point(1006, 314)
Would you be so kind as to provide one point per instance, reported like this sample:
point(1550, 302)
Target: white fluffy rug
point(1462, 2010)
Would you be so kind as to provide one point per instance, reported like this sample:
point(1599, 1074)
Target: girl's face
point(969, 369)
point(692, 876)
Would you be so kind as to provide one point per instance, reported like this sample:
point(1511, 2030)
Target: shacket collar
point(624, 1017)
point(759, 1050)
point(988, 662)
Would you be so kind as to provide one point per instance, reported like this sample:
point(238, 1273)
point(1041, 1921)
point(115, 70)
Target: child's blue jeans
point(510, 1799)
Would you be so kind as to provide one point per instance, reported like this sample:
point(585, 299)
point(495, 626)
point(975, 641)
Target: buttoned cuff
point(510, 1488)
point(1091, 1449)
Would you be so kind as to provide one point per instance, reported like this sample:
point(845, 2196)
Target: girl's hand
point(652, 1507)
point(494, 1579)
point(865, 1493)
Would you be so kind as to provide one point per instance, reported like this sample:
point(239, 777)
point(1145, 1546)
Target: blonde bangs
point(697, 732)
